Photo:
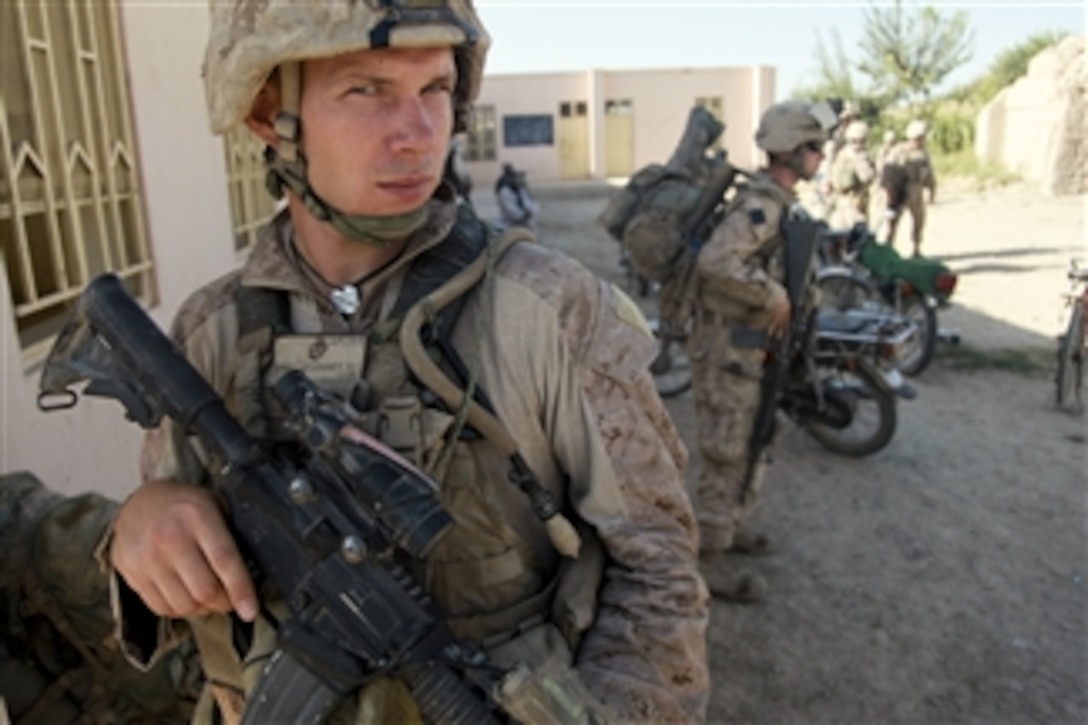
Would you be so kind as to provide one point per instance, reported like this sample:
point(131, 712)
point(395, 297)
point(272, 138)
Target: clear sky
point(551, 35)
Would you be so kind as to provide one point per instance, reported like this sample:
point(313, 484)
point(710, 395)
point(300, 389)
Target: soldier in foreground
point(358, 102)
point(739, 279)
point(58, 663)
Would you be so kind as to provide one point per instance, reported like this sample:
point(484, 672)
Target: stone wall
point(1038, 126)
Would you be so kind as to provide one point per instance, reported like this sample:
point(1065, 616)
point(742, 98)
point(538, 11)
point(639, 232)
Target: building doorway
point(619, 138)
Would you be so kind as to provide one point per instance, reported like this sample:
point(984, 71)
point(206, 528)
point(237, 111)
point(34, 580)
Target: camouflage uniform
point(58, 663)
point(740, 279)
point(563, 358)
point(852, 173)
point(914, 160)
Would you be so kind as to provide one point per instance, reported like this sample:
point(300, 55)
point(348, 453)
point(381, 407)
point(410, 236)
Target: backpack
point(660, 216)
point(647, 215)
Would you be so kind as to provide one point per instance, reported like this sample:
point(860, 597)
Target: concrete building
point(107, 165)
point(600, 124)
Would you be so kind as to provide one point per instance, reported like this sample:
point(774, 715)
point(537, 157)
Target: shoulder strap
point(263, 314)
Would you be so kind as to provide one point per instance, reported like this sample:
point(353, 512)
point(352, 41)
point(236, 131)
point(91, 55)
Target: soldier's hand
point(779, 322)
point(173, 548)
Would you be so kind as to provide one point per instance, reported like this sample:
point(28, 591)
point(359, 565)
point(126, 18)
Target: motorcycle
point(840, 383)
point(857, 272)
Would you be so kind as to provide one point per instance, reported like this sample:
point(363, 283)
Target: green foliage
point(906, 54)
point(834, 76)
point(1014, 360)
point(965, 165)
point(950, 133)
point(1011, 65)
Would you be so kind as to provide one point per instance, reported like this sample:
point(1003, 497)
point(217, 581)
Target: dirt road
point(943, 579)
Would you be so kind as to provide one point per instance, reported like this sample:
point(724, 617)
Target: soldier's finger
point(225, 561)
point(192, 585)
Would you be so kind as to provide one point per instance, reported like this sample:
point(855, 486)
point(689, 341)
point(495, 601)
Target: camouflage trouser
point(726, 384)
point(917, 208)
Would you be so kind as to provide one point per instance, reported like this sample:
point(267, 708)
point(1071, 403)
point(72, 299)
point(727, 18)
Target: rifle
point(321, 523)
point(801, 237)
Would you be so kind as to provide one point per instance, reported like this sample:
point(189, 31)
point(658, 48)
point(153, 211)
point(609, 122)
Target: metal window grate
point(251, 206)
point(70, 203)
point(481, 134)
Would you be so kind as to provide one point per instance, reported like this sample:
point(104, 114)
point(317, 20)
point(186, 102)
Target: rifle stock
point(321, 528)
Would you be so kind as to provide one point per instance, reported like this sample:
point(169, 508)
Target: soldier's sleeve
point(168, 453)
point(730, 261)
point(645, 653)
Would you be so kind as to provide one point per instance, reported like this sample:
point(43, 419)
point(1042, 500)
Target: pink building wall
point(661, 101)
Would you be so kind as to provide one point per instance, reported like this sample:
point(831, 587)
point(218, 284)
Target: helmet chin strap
point(287, 167)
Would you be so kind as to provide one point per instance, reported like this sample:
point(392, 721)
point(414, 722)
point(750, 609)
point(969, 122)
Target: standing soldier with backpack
point(739, 276)
point(381, 287)
point(852, 174)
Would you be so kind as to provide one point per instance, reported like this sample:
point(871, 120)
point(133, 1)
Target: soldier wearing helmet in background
point(852, 173)
point(58, 661)
point(836, 141)
point(739, 284)
point(887, 143)
point(357, 102)
point(908, 174)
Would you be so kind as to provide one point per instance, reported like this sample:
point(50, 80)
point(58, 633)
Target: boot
point(748, 542)
point(741, 588)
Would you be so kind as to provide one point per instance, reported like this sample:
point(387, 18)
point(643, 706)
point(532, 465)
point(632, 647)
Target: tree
point(906, 54)
point(834, 76)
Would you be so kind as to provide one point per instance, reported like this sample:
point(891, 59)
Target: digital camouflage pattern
point(563, 356)
point(852, 175)
point(58, 661)
point(740, 278)
point(917, 170)
point(250, 38)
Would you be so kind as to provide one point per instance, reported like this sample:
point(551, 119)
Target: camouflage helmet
point(250, 38)
point(788, 125)
point(916, 129)
point(857, 131)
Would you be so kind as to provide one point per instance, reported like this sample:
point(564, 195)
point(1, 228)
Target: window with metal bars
point(481, 134)
point(251, 206)
point(70, 198)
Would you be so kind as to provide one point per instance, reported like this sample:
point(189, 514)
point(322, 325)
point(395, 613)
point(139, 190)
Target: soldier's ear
point(262, 114)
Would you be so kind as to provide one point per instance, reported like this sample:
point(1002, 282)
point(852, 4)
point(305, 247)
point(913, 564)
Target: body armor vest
point(492, 573)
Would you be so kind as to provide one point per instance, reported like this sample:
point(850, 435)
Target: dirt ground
point(941, 580)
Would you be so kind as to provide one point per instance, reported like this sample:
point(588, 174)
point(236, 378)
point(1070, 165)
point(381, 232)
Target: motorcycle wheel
point(671, 368)
point(870, 412)
point(841, 290)
point(917, 353)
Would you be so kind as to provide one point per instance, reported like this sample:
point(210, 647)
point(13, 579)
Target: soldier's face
point(375, 127)
point(812, 153)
